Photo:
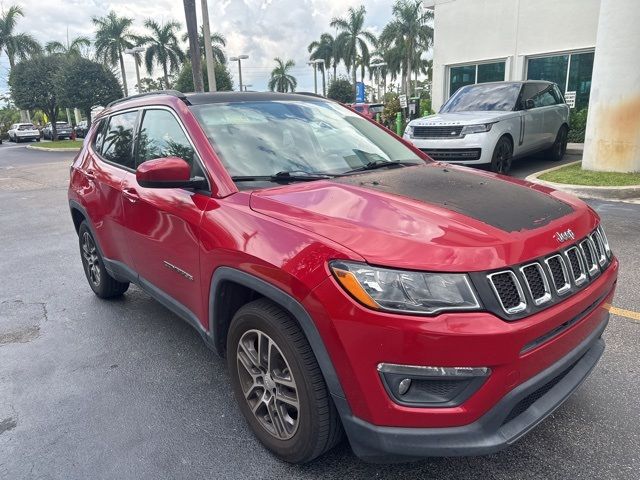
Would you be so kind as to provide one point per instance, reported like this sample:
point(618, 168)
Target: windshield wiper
point(381, 164)
point(283, 177)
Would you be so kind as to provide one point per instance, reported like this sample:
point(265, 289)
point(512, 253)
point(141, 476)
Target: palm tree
point(325, 49)
point(15, 45)
point(113, 37)
point(352, 40)
point(281, 80)
point(162, 47)
point(71, 49)
point(410, 30)
point(218, 42)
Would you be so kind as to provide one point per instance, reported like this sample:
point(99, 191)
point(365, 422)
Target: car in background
point(81, 129)
point(63, 130)
point(23, 132)
point(493, 123)
point(369, 110)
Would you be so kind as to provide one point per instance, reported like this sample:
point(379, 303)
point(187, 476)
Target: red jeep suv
point(354, 285)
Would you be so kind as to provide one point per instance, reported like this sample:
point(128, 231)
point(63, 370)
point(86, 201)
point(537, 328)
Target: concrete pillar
point(612, 138)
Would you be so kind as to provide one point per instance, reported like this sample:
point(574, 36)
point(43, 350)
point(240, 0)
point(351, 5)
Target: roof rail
point(173, 93)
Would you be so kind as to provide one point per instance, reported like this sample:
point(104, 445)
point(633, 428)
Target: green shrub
point(425, 107)
point(341, 90)
point(578, 124)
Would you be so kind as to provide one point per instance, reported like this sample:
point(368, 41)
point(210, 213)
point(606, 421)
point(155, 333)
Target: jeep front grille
point(524, 289)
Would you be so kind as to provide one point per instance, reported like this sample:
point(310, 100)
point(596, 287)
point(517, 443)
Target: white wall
point(469, 31)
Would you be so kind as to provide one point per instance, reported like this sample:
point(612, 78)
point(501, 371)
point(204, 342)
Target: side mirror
point(169, 172)
point(528, 103)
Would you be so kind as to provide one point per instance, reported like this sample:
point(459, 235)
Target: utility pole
point(194, 48)
point(208, 51)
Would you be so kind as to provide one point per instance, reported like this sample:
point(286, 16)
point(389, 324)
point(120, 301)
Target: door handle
point(130, 194)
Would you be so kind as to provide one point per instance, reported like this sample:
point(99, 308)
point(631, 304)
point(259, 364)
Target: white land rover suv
point(493, 123)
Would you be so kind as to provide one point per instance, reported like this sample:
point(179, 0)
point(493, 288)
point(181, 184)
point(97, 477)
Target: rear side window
point(117, 146)
point(162, 136)
point(98, 140)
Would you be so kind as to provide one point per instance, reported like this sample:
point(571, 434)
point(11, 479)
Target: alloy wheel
point(503, 158)
point(268, 384)
point(90, 255)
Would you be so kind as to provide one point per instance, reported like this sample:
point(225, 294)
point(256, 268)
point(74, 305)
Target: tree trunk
point(124, 75)
point(166, 76)
point(194, 47)
point(53, 118)
point(87, 113)
point(409, 74)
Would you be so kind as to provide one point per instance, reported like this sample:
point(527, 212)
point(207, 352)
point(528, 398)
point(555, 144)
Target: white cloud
point(262, 29)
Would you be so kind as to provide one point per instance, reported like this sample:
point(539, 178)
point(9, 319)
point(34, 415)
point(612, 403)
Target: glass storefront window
point(477, 73)
point(461, 76)
point(580, 69)
point(571, 72)
point(490, 72)
point(552, 69)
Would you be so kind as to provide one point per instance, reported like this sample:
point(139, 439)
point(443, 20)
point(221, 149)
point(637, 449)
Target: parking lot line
point(625, 313)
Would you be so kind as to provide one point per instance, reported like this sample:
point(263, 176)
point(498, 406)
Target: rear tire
point(102, 284)
point(502, 156)
point(557, 151)
point(294, 417)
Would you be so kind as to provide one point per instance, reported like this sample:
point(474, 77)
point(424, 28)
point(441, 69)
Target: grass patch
point(61, 144)
point(574, 174)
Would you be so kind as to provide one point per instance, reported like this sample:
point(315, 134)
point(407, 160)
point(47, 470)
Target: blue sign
point(359, 92)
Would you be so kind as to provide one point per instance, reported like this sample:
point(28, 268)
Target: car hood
point(462, 118)
point(431, 217)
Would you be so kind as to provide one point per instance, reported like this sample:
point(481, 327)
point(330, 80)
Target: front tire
point(102, 284)
point(557, 151)
point(502, 156)
point(278, 384)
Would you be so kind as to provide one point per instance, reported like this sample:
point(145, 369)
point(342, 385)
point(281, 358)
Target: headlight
point(483, 127)
point(607, 247)
point(405, 291)
point(408, 132)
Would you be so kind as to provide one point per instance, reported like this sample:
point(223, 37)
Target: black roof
point(193, 98)
point(228, 97)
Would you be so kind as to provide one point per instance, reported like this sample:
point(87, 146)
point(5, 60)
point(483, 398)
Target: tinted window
point(162, 136)
point(99, 138)
point(491, 72)
point(27, 126)
point(118, 140)
point(542, 95)
point(461, 76)
point(552, 69)
point(483, 97)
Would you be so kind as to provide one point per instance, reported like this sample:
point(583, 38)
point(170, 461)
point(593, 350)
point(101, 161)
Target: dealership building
point(488, 40)
point(588, 47)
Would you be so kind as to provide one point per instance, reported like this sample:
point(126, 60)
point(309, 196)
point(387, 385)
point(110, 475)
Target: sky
point(262, 29)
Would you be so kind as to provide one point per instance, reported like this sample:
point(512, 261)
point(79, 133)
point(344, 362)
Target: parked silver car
point(493, 123)
point(20, 132)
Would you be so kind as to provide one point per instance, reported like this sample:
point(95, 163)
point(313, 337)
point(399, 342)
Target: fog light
point(431, 386)
point(404, 386)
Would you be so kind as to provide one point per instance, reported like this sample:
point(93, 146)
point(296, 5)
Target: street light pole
point(134, 53)
point(239, 59)
point(321, 62)
point(378, 66)
point(315, 76)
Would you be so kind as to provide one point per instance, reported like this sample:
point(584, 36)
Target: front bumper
point(512, 417)
point(472, 149)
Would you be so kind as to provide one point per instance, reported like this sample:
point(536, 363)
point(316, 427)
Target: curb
point(627, 193)
point(45, 149)
point(575, 148)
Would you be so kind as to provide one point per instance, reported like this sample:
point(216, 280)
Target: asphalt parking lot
point(124, 389)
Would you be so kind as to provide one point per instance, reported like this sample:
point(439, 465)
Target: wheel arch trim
point(290, 304)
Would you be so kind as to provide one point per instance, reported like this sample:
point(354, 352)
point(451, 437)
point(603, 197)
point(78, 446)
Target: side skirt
point(121, 271)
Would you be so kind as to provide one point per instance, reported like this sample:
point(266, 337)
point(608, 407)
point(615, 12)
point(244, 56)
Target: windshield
point(267, 137)
point(483, 97)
